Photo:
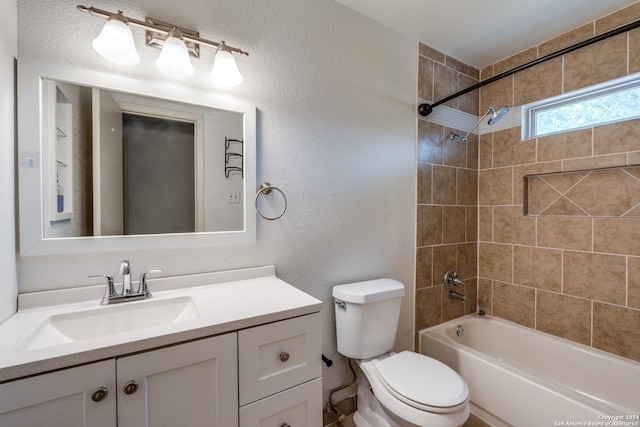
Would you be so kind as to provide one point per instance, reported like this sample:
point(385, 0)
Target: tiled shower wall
point(576, 276)
point(447, 208)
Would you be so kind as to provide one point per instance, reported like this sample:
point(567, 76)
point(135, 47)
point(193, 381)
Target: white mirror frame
point(32, 241)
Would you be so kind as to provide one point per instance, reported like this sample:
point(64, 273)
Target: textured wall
point(336, 132)
point(567, 273)
point(8, 50)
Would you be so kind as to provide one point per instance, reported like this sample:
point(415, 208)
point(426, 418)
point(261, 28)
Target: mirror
point(113, 163)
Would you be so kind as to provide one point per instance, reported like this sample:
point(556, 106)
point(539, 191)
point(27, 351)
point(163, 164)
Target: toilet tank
point(367, 316)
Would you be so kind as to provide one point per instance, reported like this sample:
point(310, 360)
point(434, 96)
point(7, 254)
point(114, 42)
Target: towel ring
point(265, 188)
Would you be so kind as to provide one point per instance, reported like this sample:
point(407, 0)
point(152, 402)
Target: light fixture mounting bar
point(160, 29)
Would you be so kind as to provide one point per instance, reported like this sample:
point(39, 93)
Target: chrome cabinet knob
point(100, 394)
point(130, 387)
point(284, 356)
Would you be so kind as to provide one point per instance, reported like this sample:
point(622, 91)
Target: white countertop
point(225, 301)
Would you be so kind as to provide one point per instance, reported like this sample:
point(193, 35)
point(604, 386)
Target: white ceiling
point(480, 33)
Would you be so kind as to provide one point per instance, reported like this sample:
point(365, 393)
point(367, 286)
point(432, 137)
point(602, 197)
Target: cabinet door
point(299, 406)
point(193, 384)
point(62, 399)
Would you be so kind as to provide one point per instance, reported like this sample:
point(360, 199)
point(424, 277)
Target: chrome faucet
point(451, 281)
point(111, 296)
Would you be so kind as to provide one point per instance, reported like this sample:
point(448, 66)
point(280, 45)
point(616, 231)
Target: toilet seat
point(419, 381)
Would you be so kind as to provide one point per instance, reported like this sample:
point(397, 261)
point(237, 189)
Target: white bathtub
point(521, 377)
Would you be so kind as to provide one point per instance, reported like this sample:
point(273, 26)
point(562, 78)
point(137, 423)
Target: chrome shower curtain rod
point(426, 109)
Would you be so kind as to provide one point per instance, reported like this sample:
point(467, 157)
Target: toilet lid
point(422, 380)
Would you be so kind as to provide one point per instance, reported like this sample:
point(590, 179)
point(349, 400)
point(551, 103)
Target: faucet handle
point(142, 286)
point(111, 290)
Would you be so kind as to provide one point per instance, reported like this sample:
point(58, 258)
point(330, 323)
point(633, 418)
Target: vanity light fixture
point(115, 43)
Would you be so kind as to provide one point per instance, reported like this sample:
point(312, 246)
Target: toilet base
point(371, 413)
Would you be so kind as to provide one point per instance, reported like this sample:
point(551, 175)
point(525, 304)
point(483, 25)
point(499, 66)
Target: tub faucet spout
point(457, 295)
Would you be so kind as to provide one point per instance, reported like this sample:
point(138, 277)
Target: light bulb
point(174, 58)
point(115, 42)
point(225, 70)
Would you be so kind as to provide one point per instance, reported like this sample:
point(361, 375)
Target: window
point(605, 103)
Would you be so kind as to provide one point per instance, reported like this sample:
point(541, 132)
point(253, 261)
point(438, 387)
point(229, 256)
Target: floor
point(473, 421)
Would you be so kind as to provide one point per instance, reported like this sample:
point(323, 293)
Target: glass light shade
point(115, 43)
point(174, 58)
point(225, 70)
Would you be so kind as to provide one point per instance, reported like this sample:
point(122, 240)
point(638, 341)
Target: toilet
point(403, 389)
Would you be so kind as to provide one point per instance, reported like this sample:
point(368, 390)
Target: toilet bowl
point(411, 390)
point(406, 389)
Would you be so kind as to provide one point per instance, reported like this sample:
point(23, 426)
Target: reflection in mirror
point(125, 165)
point(110, 158)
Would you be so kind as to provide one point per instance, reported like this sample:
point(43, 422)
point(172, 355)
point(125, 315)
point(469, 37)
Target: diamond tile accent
point(612, 192)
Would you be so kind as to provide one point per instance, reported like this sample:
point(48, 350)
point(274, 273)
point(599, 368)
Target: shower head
point(495, 118)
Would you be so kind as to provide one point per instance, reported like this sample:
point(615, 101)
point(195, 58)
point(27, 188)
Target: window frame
point(530, 111)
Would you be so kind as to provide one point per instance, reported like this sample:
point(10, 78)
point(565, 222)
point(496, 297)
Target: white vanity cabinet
point(279, 373)
point(190, 384)
point(62, 398)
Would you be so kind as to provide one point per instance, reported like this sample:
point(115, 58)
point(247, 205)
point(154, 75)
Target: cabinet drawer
point(300, 406)
point(278, 356)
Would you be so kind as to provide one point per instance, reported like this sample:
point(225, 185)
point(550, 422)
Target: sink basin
point(110, 320)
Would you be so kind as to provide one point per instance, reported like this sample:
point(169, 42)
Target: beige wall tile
point(473, 151)
point(617, 235)
point(430, 142)
point(564, 233)
point(537, 267)
point(595, 162)
point(496, 186)
point(455, 151)
point(564, 207)
point(618, 19)
point(431, 53)
point(615, 329)
point(567, 39)
point(565, 180)
point(496, 94)
point(444, 185)
point(424, 267)
point(471, 292)
point(485, 224)
point(520, 172)
point(538, 82)
point(469, 102)
point(617, 137)
point(485, 295)
point(471, 223)
point(595, 276)
point(540, 195)
point(634, 283)
point(452, 308)
point(564, 316)
point(428, 307)
point(467, 260)
point(474, 73)
point(456, 65)
point(608, 192)
point(485, 152)
point(444, 259)
point(566, 145)
point(467, 182)
point(486, 72)
point(425, 78)
point(429, 225)
point(596, 63)
point(633, 158)
point(445, 83)
point(634, 51)
point(453, 224)
point(510, 150)
point(514, 303)
point(511, 226)
point(424, 183)
point(495, 261)
point(515, 60)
